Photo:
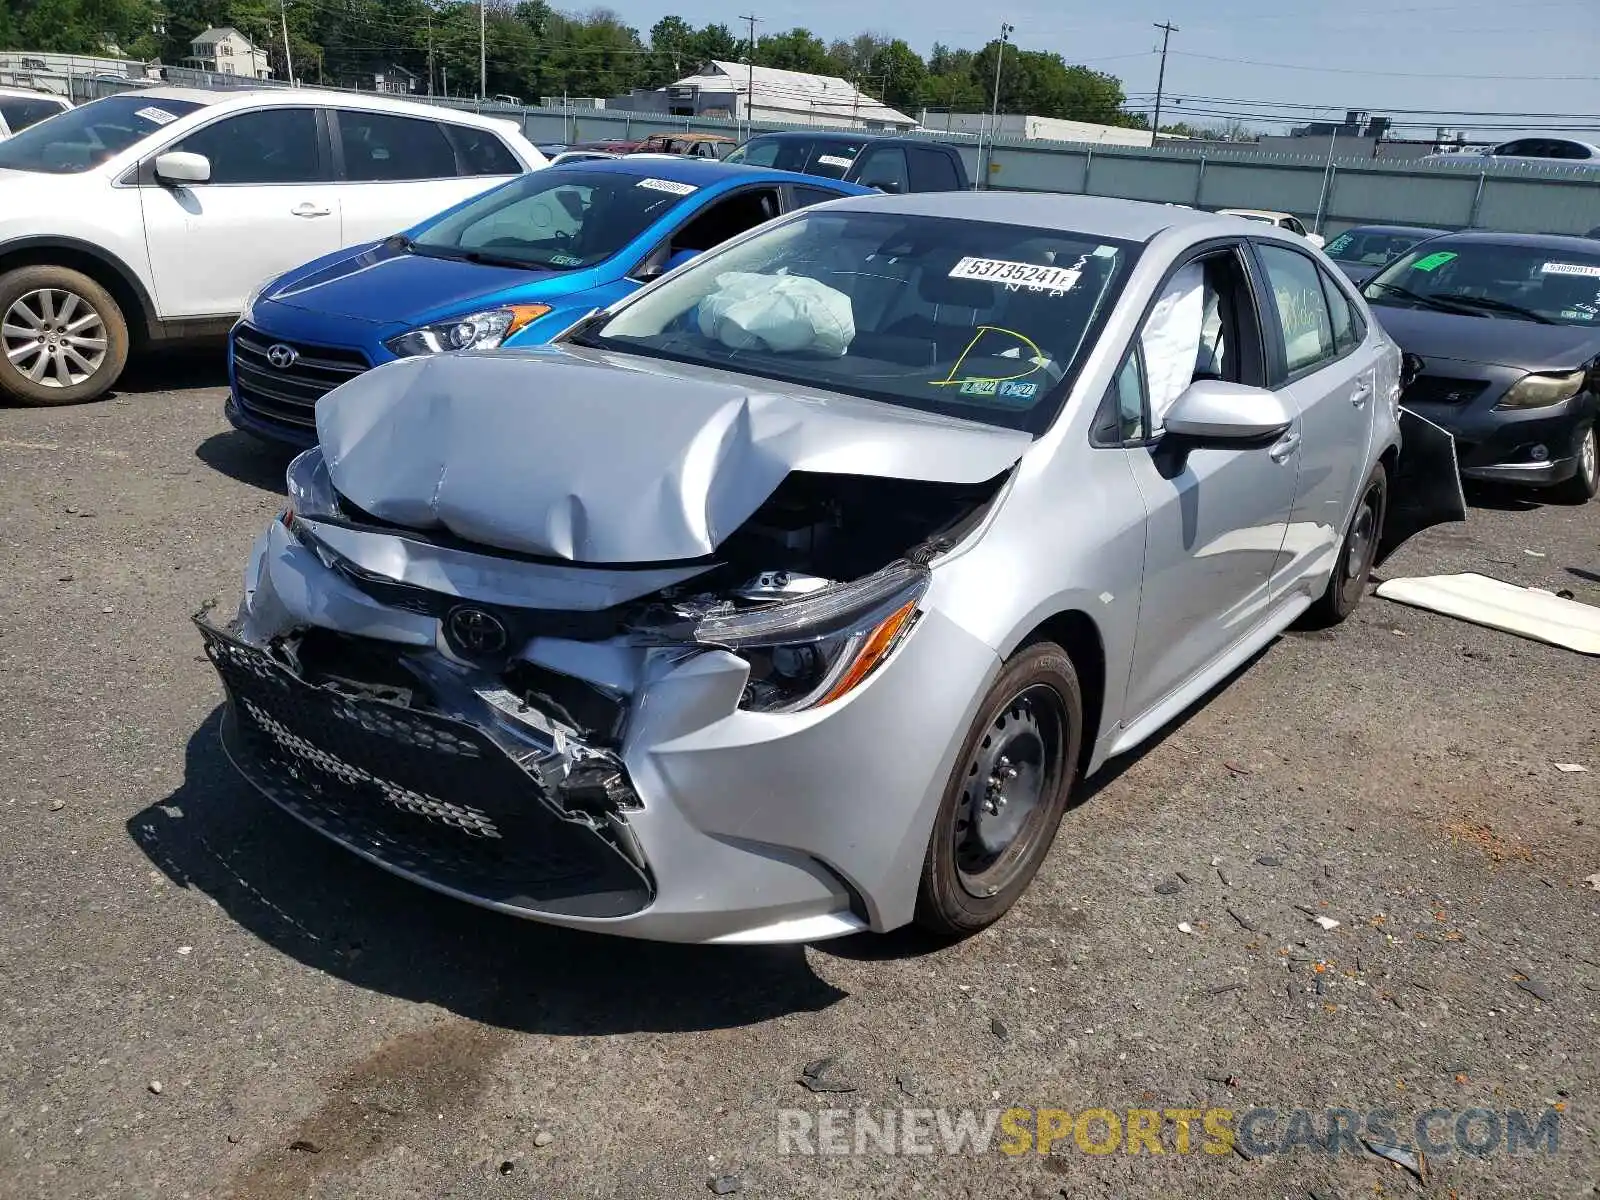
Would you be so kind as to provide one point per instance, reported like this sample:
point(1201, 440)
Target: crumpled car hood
point(587, 456)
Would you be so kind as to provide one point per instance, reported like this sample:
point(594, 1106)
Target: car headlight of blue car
point(477, 331)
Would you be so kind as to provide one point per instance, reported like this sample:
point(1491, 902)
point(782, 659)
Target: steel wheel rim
point(1586, 456)
point(1363, 531)
point(1010, 775)
point(54, 338)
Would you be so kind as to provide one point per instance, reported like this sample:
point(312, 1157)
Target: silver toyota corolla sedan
point(792, 596)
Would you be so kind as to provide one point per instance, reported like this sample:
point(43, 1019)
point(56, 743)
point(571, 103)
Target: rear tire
point(1585, 483)
point(1006, 796)
point(1356, 555)
point(63, 338)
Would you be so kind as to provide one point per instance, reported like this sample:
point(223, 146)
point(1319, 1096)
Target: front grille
point(1441, 389)
point(426, 795)
point(288, 395)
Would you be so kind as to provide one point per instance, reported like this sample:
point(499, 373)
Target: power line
point(1251, 62)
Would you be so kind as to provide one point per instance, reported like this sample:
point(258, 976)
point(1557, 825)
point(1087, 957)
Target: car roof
point(33, 94)
point(1431, 232)
point(828, 135)
point(704, 172)
point(1095, 216)
point(1576, 242)
point(1254, 212)
point(292, 97)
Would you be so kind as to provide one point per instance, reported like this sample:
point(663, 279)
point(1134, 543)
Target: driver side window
point(275, 145)
point(725, 219)
point(1203, 325)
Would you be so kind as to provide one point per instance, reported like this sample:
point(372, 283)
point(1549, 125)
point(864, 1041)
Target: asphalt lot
point(318, 1028)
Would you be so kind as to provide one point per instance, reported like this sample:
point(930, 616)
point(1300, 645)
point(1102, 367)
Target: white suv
point(149, 217)
point(20, 108)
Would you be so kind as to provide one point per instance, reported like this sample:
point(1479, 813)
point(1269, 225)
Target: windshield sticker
point(668, 186)
point(564, 260)
point(158, 116)
point(1104, 252)
point(834, 160)
point(1001, 389)
point(1561, 268)
point(1433, 261)
point(1028, 275)
point(1338, 244)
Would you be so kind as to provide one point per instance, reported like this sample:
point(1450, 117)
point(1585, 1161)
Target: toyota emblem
point(281, 356)
point(477, 632)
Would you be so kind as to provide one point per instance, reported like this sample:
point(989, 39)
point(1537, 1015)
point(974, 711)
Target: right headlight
point(813, 650)
point(311, 490)
point(1541, 391)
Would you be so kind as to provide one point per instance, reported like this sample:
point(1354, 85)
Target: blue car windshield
point(562, 219)
point(87, 136)
point(983, 321)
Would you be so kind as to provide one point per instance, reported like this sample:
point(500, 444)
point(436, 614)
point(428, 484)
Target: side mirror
point(1317, 240)
point(1214, 412)
point(1411, 366)
point(180, 167)
point(678, 259)
point(891, 186)
point(657, 267)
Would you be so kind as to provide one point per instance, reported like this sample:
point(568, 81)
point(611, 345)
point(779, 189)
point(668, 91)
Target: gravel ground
point(202, 998)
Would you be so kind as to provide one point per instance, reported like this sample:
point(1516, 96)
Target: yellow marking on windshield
point(950, 380)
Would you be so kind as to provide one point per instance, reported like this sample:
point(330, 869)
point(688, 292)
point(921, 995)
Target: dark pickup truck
point(890, 164)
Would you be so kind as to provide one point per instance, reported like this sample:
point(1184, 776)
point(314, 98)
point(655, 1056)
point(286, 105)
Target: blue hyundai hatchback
point(514, 266)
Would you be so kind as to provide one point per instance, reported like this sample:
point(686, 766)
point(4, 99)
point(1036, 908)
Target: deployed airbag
point(1526, 612)
point(789, 314)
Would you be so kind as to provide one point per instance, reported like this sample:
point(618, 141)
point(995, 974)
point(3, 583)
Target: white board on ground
point(1527, 612)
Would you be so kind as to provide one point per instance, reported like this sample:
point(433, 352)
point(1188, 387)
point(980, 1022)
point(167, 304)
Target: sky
point(1250, 56)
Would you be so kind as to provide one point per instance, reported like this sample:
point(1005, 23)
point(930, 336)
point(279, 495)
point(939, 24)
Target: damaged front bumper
point(694, 820)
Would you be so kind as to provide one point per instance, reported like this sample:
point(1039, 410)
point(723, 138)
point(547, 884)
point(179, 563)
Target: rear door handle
point(1361, 395)
point(1284, 447)
point(308, 209)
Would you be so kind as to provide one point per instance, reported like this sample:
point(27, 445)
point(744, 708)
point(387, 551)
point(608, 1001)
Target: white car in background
point(1281, 220)
point(1554, 151)
point(149, 217)
point(22, 107)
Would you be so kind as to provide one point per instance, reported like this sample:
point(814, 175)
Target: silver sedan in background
point(792, 596)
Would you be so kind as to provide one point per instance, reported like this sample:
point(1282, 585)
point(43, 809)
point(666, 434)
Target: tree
point(796, 50)
point(904, 74)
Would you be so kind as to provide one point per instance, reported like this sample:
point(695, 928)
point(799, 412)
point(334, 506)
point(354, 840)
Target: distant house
point(379, 77)
point(226, 51)
point(724, 89)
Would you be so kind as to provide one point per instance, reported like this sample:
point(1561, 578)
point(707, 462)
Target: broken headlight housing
point(311, 490)
point(811, 651)
point(476, 331)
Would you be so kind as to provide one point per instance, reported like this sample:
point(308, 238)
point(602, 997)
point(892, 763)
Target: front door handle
point(308, 209)
point(1361, 395)
point(1284, 447)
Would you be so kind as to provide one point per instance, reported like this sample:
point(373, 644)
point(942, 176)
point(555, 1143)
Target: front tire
point(63, 338)
point(1356, 555)
point(1585, 482)
point(1006, 796)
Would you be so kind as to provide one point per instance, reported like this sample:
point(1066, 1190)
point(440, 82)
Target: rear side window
point(1348, 329)
point(479, 152)
point(932, 171)
point(20, 112)
point(805, 197)
point(884, 168)
point(783, 154)
point(274, 145)
point(380, 148)
point(1303, 318)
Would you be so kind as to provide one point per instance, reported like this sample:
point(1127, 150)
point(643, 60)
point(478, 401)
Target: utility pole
point(483, 50)
point(1006, 30)
point(750, 74)
point(429, 14)
point(1167, 30)
point(288, 59)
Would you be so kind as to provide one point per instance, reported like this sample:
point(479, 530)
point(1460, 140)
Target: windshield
point(828, 157)
point(1530, 283)
point(560, 220)
point(1374, 247)
point(966, 318)
point(85, 137)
